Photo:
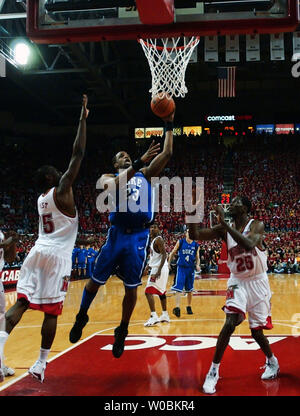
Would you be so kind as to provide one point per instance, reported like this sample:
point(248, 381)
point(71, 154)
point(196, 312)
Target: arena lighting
point(21, 53)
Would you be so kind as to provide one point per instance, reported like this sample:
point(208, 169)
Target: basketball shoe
point(38, 370)
point(189, 310)
point(76, 331)
point(153, 320)
point(271, 369)
point(209, 386)
point(118, 347)
point(164, 317)
point(7, 371)
point(176, 312)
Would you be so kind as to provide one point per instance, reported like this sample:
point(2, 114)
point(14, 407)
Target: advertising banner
point(139, 133)
point(193, 130)
point(267, 128)
point(154, 131)
point(284, 128)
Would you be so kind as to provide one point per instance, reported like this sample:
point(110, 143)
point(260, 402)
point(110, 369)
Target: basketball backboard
point(63, 21)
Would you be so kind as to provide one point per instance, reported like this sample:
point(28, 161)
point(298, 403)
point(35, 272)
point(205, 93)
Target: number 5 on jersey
point(47, 223)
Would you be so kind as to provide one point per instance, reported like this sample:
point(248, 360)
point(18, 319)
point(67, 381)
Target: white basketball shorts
point(252, 296)
point(43, 279)
point(158, 286)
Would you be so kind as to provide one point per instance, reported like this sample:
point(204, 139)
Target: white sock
point(154, 314)
point(43, 355)
point(214, 368)
point(165, 312)
point(3, 338)
point(272, 360)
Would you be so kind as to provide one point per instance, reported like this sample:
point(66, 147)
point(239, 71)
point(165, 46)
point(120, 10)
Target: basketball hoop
point(168, 62)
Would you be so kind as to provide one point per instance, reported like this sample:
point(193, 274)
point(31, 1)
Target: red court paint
point(165, 366)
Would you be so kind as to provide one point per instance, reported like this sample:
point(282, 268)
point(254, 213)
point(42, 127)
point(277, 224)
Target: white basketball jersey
point(245, 264)
point(56, 229)
point(1, 251)
point(155, 258)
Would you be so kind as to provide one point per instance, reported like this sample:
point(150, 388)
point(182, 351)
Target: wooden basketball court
point(185, 337)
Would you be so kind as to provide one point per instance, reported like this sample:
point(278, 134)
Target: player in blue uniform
point(125, 250)
point(82, 260)
point(188, 254)
point(91, 256)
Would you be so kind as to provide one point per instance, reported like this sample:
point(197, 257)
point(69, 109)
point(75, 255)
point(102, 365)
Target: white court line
point(182, 320)
point(56, 356)
point(48, 361)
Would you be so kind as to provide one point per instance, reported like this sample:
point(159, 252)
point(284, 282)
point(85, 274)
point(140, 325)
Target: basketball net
point(168, 62)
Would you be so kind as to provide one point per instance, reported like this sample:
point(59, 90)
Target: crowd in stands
point(271, 178)
point(266, 170)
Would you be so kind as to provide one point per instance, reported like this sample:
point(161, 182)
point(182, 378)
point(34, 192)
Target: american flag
point(226, 81)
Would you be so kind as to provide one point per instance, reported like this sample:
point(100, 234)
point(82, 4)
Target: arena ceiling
point(117, 79)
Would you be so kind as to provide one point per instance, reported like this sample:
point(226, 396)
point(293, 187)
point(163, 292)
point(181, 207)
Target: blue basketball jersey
point(187, 253)
point(82, 255)
point(91, 254)
point(135, 208)
point(75, 253)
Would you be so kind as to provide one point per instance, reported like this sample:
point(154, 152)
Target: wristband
point(169, 125)
point(138, 164)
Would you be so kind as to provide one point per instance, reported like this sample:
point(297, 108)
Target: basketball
point(162, 107)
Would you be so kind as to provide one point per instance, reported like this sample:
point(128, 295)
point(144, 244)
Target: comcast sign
point(224, 117)
point(220, 118)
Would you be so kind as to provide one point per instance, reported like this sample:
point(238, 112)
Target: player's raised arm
point(248, 242)
point(161, 160)
point(109, 179)
point(79, 145)
point(203, 234)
